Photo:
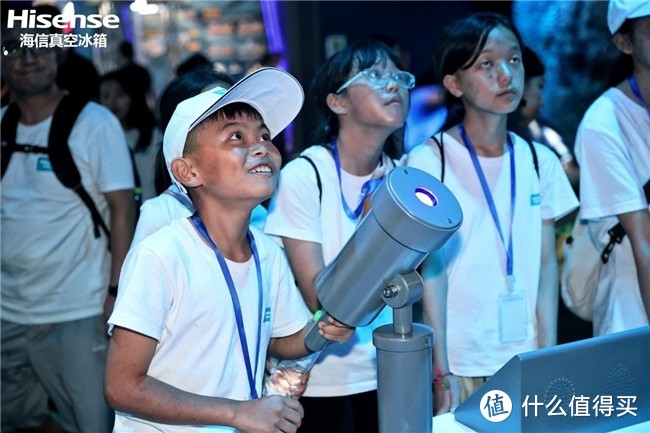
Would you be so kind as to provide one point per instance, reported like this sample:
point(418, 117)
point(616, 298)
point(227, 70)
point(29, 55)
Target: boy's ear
point(451, 84)
point(186, 173)
point(336, 103)
point(623, 42)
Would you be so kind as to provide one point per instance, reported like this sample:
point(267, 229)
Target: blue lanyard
point(367, 188)
point(196, 220)
point(185, 200)
point(490, 200)
point(637, 92)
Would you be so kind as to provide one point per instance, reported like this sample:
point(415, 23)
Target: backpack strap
point(442, 155)
point(318, 181)
point(617, 233)
point(8, 131)
point(534, 152)
point(63, 164)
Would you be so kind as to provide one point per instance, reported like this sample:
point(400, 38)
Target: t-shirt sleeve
point(608, 185)
point(426, 157)
point(556, 193)
point(295, 205)
point(145, 296)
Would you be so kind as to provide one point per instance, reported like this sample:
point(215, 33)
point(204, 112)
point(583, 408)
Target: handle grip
point(313, 340)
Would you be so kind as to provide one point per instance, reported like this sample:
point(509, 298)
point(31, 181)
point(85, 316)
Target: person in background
point(526, 121)
point(613, 150)
point(125, 97)
point(182, 357)
point(492, 291)
point(59, 277)
point(363, 97)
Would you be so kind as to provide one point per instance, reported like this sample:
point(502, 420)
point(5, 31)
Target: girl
point(492, 291)
point(612, 148)
point(363, 99)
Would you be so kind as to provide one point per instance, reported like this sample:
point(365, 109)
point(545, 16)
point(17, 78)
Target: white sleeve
point(146, 294)
point(294, 211)
point(426, 157)
point(556, 193)
point(608, 185)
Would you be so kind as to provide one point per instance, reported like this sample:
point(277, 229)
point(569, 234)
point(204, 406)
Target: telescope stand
point(404, 362)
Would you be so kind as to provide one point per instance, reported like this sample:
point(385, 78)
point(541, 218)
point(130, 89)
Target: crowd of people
point(164, 316)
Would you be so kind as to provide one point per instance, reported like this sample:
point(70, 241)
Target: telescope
point(412, 215)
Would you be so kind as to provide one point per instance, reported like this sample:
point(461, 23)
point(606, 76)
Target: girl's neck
point(487, 133)
point(360, 149)
point(227, 227)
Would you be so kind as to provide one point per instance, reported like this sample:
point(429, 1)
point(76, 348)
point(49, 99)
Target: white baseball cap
point(274, 93)
point(620, 10)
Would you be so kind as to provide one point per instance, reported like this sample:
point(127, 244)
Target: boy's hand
point(269, 414)
point(335, 330)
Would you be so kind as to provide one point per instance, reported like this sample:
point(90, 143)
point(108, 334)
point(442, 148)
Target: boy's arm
point(547, 295)
point(293, 346)
point(637, 228)
point(128, 388)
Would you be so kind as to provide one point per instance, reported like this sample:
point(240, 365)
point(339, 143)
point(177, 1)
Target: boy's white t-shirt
point(172, 289)
point(296, 212)
point(475, 254)
point(613, 150)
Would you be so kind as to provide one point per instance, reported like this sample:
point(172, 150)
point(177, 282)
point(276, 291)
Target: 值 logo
point(496, 406)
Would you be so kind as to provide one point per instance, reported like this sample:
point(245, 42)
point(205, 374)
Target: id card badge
point(512, 317)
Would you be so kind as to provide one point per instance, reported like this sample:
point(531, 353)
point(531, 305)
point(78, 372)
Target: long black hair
point(460, 45)
point(336, 71)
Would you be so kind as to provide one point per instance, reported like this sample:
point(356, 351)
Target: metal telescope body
point(412, 215)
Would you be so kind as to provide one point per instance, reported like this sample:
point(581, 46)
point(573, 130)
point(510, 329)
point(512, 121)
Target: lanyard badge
point(512, 304)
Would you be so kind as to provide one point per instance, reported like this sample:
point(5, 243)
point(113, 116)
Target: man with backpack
point(67, 218)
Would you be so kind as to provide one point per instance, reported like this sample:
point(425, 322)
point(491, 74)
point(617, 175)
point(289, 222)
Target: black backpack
point(58, 151)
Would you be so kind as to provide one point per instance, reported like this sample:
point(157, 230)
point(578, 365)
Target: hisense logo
point(29, 20)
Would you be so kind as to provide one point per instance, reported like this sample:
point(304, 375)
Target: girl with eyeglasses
point(363, 98)
point(492, 291)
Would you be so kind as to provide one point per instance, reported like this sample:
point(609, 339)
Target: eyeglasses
point(377, 79)
point(13, 49)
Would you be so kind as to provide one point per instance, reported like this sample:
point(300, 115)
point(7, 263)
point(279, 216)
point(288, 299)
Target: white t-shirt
point(159, 211)
point(295, 212)
point(475, 255)
point(172, 289)
point(53, 267)
point(613, 150)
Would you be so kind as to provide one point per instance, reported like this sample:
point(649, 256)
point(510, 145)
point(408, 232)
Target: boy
point(184, 321)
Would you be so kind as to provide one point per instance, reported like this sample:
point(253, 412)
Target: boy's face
point(235, 159)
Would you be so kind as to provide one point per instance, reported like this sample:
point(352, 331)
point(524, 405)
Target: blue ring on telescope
point(425, 196)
